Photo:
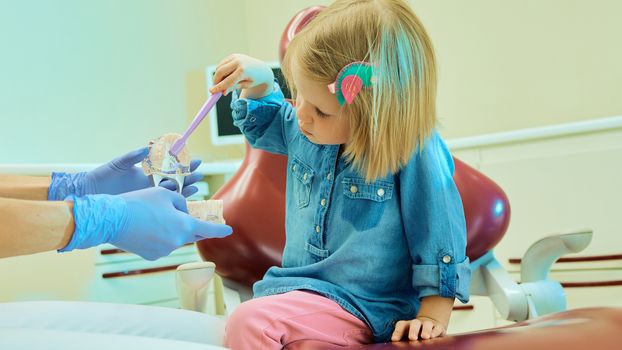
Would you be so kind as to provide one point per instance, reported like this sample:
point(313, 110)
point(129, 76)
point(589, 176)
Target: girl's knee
point(240, 316)
point(248, 315)
point(245, 325)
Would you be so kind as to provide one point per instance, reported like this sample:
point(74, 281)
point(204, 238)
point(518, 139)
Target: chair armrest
point(193, 280)
point(490, 279)
point(541, 255)
point(536, 295)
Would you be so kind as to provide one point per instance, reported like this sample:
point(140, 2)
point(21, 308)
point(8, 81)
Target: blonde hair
point(389, 121)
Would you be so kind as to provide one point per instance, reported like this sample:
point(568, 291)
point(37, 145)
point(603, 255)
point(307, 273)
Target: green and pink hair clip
point(351, 80)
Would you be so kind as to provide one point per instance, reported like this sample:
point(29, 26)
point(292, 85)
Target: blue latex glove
point(117, 176)
point(151, 222)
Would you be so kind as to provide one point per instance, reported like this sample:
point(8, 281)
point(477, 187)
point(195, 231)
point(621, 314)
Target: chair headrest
point(486, 209)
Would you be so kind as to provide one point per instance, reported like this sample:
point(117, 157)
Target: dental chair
point(254, 205)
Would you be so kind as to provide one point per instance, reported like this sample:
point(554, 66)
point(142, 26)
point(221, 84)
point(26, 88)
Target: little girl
point(375, 230)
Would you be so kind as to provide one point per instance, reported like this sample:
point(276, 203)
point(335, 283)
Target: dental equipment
point(207, 210)
point(193, 279)
point(207, 106)
point(160, 164)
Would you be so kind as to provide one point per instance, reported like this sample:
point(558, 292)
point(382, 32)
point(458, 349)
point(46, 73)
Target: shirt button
point(253, 119)
point(294, 168)
point(317, 229)
point(328, 176)
point(323, 202)
point(447, 259)
point(354, 189)
point(380, 192)
point(305, 176)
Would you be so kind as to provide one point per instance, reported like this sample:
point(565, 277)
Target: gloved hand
point(151, 222)
point(117, 176)
point(243, 72)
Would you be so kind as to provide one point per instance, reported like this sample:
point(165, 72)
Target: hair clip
point(351, 80)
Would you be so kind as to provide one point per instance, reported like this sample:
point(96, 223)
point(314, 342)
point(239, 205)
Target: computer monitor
point(223, 131)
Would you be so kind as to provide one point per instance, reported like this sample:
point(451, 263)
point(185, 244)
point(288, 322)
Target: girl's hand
point(243, 72)
point(419, 328)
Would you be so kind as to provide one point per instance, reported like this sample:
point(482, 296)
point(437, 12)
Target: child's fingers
point(228, 82)
point(242, 84)
point(226, 60)
point(415, 327)
point(400, 328)
point(426, 329)
point(223, 71)
point(438, 331)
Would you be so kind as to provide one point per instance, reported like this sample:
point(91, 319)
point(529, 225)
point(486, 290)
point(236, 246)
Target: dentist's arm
point(151, 223)
point(115, 177)
point(24, 187)
point(34, 226)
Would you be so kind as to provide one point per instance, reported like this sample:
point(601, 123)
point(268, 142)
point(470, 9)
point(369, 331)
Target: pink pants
point(288, 320)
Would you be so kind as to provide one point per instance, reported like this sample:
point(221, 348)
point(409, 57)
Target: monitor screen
point(222, 129)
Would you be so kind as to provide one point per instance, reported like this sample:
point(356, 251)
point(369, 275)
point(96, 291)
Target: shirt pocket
point(316, 254)
point(365, 202)
point(303, 179)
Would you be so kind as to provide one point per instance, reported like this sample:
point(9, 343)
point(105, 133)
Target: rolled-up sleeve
point(265, 122)
point(434, 223)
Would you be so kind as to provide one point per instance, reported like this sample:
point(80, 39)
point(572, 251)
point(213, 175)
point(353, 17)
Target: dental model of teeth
point(162, 165)
point(207, 210)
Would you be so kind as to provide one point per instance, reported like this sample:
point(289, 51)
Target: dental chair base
point(80, 325)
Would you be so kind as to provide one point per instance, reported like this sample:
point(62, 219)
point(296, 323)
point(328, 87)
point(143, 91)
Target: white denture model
point(161, 164)
point(169, 157)
point(207, 210)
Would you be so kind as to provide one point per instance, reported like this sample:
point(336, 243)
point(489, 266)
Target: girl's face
point(320, 117)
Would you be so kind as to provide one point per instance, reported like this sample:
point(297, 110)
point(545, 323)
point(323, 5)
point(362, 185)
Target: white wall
point(564, 181)
point(82, 81)
point(508, 65)
point(504, 65)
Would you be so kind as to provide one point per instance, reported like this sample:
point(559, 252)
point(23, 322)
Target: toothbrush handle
point(207, 106)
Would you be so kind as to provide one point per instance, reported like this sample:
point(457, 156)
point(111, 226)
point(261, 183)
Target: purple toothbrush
point(207, 106)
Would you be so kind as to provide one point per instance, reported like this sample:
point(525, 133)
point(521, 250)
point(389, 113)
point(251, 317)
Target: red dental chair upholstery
point(254, 205)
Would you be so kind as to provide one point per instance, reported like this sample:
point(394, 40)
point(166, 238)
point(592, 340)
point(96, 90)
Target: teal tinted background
point(83, 81)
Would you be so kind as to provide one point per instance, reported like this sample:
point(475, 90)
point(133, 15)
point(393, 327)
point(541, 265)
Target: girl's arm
point(24, 187)
point(34, 226)
point(258, 106)
point(437, 309)
point(435, 229)
point(431, 322)
point(257, 92)
point(268, 123)
point(239, 71)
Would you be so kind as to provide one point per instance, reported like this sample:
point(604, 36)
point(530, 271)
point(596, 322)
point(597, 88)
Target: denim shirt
point(375, 248)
